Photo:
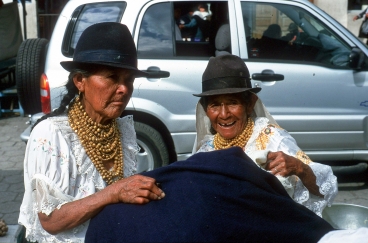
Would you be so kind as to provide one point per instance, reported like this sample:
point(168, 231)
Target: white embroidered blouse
point(271, 137)
point(57, 170)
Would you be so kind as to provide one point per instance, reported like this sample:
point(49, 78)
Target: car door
point(321, 101)
point(176, 61)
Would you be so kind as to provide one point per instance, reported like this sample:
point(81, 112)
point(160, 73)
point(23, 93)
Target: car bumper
point(25, 135)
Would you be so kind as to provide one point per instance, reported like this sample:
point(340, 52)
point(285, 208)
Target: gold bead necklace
point(240, 140)
point(101, 142)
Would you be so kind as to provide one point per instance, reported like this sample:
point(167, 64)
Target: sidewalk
point(11, 173)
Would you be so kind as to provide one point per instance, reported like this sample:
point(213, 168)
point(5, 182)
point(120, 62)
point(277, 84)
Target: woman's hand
point(285, 165)
point(282, 164)
point(137, 189)
point(355, 17)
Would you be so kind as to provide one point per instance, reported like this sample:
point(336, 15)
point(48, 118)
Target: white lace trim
point(51, 198)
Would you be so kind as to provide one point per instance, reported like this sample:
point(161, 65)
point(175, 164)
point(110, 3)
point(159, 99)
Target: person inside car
point(81, 156)
point(229, 114)
point(271, 45)
point(293, 34)
point(200, 20)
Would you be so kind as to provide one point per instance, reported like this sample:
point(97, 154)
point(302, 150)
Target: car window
point(287, 33)
point(87, 15)
point(155, 34)
point(182, 29)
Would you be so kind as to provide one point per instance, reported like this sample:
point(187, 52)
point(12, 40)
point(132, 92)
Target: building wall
point(338, 9)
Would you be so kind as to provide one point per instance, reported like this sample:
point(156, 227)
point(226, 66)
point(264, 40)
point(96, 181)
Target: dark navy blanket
point(219, 196)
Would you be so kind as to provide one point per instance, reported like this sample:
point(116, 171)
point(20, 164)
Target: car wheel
point(30, 64)
point(153, 152)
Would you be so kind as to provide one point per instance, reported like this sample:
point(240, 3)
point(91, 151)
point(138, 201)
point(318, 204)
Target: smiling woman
point(219, 106)
point(230, 114)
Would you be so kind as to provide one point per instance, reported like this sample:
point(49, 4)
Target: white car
point(313, 72)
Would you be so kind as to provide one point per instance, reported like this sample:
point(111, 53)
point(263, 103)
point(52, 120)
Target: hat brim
point(227, 91)
point(71, 65)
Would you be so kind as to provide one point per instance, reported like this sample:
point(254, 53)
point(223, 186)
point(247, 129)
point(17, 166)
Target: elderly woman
point(230, 114)
point(81, 157)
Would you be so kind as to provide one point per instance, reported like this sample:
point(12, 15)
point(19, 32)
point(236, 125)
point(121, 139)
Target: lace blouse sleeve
point(46, 175)
point(46, 167)
point(325, 179)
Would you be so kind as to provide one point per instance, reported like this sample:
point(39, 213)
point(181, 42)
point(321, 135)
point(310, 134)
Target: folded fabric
point(260, 158)
point(219, 196)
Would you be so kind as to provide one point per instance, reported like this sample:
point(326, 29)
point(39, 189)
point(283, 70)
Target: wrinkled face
point(228, 114)
point(106, 93)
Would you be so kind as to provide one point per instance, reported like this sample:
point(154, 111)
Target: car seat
point(223, 40)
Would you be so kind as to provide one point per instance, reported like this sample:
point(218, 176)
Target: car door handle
point(155, 72)
point(267, 75)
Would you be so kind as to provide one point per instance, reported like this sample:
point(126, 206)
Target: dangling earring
point(79, 94)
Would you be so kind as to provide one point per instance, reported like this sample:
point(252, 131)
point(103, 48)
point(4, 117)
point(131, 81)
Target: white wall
point(338, 9)
point(31, 18)
point(335, 8)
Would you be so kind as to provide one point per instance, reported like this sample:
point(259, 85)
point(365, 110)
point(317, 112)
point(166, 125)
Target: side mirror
point(356, 58)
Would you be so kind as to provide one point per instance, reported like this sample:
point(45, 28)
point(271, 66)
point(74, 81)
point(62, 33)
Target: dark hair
point(273, 31)
point(244, 96)
point(72, 91)
point(203, 5)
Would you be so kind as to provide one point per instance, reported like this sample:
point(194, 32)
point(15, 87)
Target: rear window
point(87, 15)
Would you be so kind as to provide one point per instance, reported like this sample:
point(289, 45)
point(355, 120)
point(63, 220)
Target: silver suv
point(312, 70)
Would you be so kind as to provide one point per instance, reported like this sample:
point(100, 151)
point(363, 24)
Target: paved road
point(352, 189)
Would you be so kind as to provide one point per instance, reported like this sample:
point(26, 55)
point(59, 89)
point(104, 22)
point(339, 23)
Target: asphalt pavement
point(353, 189)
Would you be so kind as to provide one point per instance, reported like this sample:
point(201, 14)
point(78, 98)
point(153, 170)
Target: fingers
point(273, 155)
point(273, 159)
point(278, 170)
point(276, 163)
point(282, 164)
point(139, 189)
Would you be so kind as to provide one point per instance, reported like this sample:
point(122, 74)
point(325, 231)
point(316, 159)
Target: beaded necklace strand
point(240, 140)
point(101, 142)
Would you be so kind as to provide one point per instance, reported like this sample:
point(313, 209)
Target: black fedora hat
point(226, 74)
point(108, 44)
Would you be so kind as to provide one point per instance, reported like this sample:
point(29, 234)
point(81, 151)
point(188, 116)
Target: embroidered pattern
point(54, 151)
point(303, 157)
point(62, 156)
point(264, 136)
point(44, 144)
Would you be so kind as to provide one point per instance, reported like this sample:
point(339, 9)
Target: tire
point(30, 64)
point(153, 150)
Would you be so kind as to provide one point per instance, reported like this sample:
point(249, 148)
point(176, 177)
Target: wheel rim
point(145, 161)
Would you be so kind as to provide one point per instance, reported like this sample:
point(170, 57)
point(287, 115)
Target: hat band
point(105, 56)
point(224, 83)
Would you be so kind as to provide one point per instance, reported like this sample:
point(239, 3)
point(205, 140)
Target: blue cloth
point(219, 196)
